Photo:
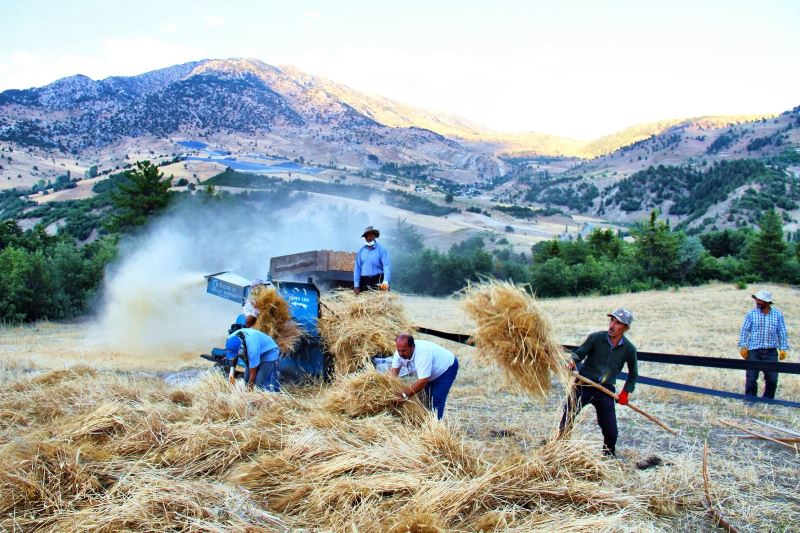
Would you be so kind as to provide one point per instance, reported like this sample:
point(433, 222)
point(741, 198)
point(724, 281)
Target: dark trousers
point(436, 391)
point(370, 282)
point(770, 376)
point(603, 405)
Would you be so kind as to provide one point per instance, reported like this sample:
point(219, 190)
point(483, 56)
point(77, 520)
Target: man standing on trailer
point(764, 339)
point(372, 268)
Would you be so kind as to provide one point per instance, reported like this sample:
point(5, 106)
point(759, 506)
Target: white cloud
point(310, 17)
point(120, 56)
point(170, 28)
point(214, 20)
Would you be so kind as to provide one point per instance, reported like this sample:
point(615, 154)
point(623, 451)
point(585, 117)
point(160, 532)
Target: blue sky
point(573, 68)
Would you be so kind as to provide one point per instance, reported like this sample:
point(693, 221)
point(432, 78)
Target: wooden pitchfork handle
point(642, 412)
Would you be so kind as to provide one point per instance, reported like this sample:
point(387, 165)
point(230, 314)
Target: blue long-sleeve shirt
point(764, 330)
point(371, 261)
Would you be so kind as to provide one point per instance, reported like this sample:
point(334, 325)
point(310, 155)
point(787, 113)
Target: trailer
point(326, 268)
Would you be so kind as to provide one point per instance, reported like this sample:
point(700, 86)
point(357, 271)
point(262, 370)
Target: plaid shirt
point(764, 331)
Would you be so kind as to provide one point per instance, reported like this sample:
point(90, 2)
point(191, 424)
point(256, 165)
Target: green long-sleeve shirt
point(602, 363)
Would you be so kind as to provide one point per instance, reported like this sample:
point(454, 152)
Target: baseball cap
point(623, 315)
point(232, 346)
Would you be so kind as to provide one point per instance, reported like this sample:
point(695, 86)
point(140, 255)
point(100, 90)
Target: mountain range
point(249, 97)
point(243, 98)
point(236, 104)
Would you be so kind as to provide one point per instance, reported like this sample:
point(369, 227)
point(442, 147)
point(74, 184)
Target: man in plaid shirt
point(763, 338)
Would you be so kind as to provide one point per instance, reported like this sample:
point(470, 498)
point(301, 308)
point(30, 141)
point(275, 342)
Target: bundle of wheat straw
point(355, 328)
point(369, 393)
point(513, 333)
point(274, 317)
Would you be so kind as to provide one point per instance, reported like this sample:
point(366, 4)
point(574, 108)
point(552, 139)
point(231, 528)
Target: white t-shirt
point(429, 360)
point(250, 309)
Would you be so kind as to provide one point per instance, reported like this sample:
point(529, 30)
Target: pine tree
point(143, 194)
point(766, 255)
point(657, 249)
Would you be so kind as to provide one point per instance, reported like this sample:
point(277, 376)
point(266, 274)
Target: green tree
point(10, 233)
point(657, 249)
point(14, 293)
point(604, 243)
point(553, 278)
point(766, 254)
point(690, 251)
point(406, 238)
point(544, 250)
point(142, 194)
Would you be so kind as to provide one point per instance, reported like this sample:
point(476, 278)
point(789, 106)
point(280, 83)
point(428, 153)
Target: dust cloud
point(154, 299)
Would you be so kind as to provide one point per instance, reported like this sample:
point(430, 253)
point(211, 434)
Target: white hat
point(764, 296)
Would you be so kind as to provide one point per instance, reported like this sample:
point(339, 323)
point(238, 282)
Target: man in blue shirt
point(372, 268)
point(763, 338)
point(258, 353)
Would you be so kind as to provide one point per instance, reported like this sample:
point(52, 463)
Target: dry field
point(115, 448)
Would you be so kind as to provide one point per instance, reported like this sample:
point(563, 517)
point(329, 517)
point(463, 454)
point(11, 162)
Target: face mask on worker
point(371, 243)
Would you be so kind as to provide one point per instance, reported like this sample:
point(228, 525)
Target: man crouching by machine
point(258, 353)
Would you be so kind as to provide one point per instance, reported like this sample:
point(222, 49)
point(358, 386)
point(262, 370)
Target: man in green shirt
point(601, 358)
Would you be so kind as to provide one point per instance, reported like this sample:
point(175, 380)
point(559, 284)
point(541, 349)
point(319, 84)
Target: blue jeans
point(438, 389)
point(267, 376)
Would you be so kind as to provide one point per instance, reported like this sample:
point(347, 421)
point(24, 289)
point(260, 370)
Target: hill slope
point(240, 98)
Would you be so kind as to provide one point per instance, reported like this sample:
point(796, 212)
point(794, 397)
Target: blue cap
point(241, 320)
point(232, 347)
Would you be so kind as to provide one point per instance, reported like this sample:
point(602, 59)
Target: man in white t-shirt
point(436, 370)
point(250, 311)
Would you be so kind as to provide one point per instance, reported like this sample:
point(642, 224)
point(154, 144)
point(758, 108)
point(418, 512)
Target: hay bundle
point(99, 424)
point(150, 501)
point(370, 393)
point(274, 317)
point(57, 376)
point(355, 328)
point(42, 478)
point(513, 333)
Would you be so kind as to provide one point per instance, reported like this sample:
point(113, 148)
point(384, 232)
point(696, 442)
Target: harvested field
point(96, 448)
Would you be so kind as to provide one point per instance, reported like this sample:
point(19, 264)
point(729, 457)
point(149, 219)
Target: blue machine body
point(308, 358)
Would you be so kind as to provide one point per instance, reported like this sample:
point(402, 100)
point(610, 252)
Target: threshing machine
point(297, 278)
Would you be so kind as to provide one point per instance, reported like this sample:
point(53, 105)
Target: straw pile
point(369, 393)
point(513, 333)
point(274, 317)
point(355, 328)
point(144, 463)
